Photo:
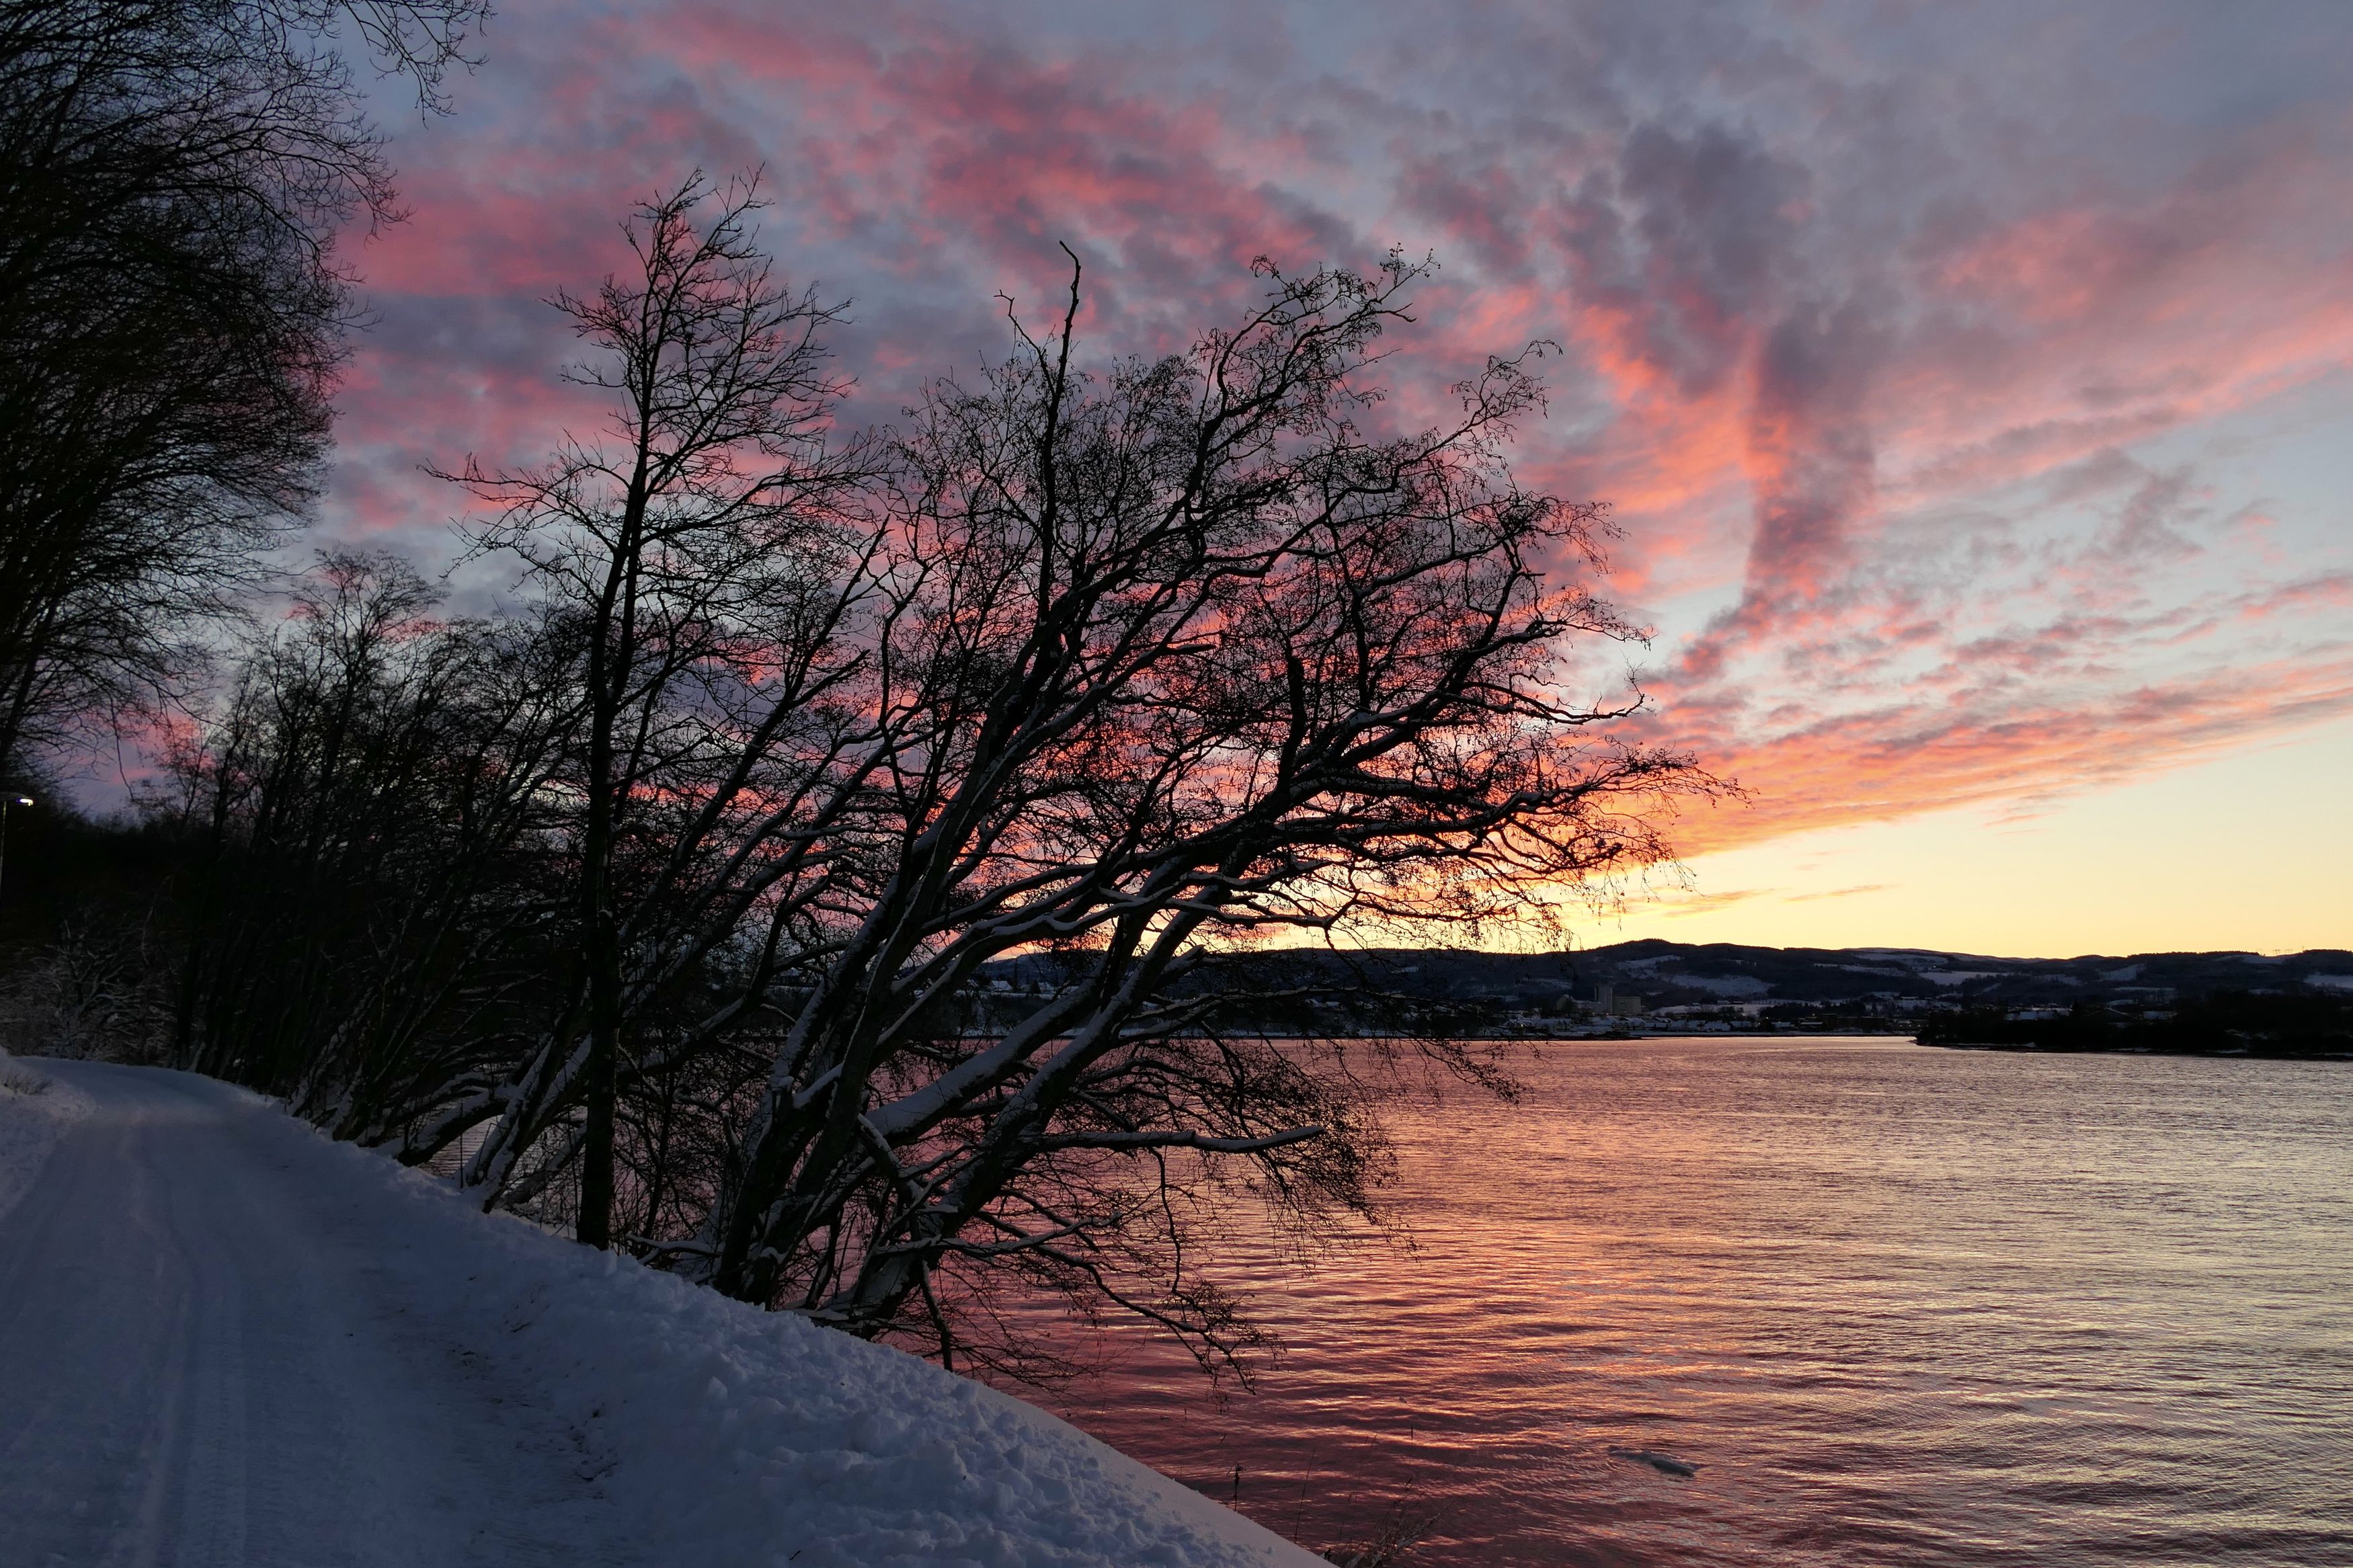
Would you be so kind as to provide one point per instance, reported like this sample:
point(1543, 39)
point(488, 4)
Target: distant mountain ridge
point(1681, 973)
point(1730, 985)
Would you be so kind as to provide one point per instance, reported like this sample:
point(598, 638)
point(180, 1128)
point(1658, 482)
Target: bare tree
point(365, 837)
point(700, 548)
point(172, 180)
point(1185, 658)
point(913, 826)
point(98, 988)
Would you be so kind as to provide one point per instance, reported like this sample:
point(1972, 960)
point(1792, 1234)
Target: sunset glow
point(1972, 396)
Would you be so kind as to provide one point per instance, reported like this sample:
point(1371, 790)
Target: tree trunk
point(596, 1227)
point(600, 944)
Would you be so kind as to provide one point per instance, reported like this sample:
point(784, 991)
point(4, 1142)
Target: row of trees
point(676, 904)
point(662, 906)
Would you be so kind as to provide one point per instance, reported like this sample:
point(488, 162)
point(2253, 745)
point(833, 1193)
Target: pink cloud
point(1879, 404)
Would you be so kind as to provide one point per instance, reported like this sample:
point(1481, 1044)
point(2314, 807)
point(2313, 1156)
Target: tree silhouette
point(696, 549)
point(172, 180)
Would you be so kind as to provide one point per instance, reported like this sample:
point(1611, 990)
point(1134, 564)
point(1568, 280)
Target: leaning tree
point(1187, 656)
point(1101, 678)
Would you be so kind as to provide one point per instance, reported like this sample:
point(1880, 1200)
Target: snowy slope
point(223, 1339)
point(34, 1107)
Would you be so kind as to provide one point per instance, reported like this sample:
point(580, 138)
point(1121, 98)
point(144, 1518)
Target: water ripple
point(1897, 1306)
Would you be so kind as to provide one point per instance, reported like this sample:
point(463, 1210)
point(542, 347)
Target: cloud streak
point(1937, 366)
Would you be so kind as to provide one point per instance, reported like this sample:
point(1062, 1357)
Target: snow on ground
point(33, 1107)
point(223, 1339)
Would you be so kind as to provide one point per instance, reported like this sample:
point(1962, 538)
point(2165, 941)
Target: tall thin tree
point(678, 539)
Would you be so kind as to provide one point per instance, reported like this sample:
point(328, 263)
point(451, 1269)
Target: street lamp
point(6, 802)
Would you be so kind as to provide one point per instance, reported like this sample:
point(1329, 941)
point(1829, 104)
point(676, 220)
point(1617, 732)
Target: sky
point(1972, 384)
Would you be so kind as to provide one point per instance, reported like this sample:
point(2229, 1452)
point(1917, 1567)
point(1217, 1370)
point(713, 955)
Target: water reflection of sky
point(1898, 1306)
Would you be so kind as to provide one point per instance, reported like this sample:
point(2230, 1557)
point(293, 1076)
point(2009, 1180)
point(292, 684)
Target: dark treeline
point(658, 905)
point(2222, 1023)
point(173, 177)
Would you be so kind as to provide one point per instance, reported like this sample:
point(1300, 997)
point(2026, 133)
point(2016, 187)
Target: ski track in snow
point(225, 1339)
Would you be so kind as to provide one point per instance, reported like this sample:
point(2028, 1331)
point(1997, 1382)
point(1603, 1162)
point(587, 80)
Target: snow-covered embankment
point(34, 1107)
point(285, 1349)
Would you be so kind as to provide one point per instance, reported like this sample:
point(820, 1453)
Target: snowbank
point(745, 1438)
point(33, 1107)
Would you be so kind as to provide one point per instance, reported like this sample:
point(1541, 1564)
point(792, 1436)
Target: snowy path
point(204, 1360)
point(224, 1339)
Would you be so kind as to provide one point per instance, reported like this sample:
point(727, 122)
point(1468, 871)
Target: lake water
point(1897, 1305)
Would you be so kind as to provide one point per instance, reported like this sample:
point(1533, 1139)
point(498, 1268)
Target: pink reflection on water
point(1894, 1305)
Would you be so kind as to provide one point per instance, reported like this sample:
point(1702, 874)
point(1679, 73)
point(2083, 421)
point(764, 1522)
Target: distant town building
point(1609, 1000)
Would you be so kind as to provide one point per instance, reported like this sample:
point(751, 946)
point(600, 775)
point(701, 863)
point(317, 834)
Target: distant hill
point(1653, 986)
